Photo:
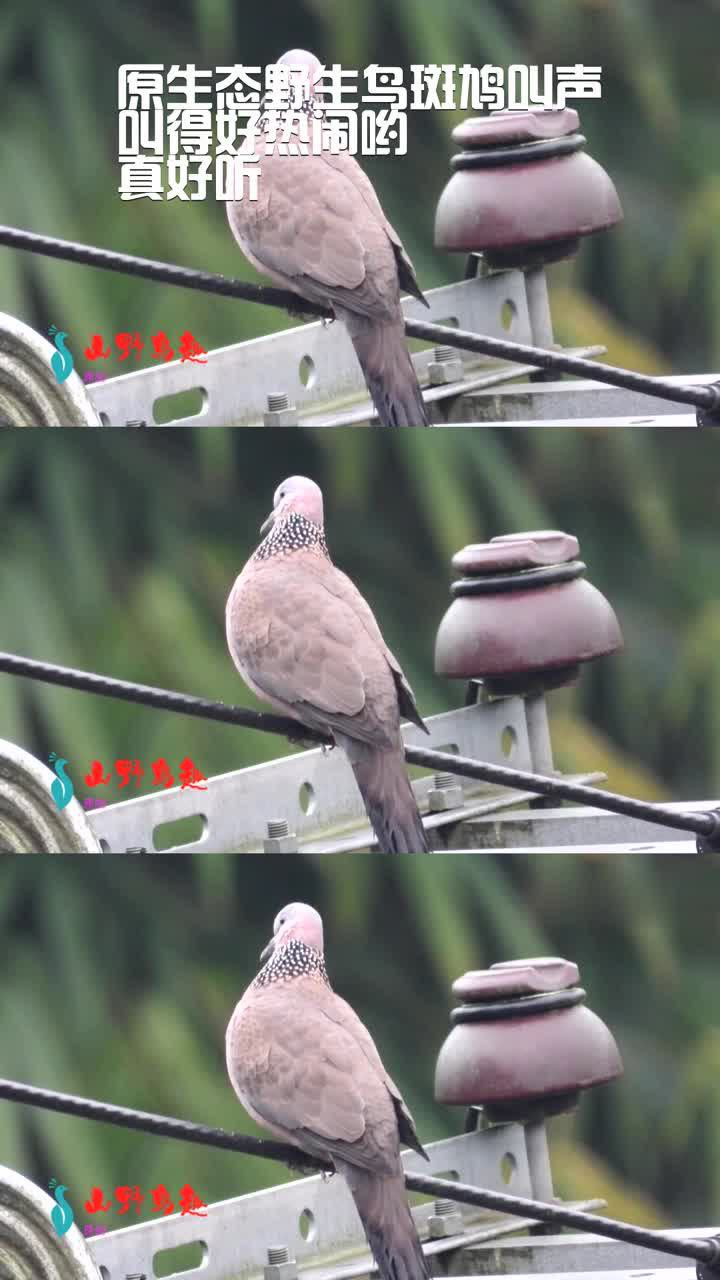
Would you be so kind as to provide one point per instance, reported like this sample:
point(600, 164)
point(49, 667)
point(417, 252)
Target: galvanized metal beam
point(546, 829)
point(314, 791)
point(622, 1273)
point(315, 1218)
point(314, 364)
point(577, 403)
point(574, 1252)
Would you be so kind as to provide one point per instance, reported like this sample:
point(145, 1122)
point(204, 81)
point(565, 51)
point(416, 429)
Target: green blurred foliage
point(119, 985)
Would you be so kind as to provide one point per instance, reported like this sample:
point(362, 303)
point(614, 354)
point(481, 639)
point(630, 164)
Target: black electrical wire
point(706, 398)
point(706, 1252)
point(164, 699)
point(163, 272)
point(705, 825)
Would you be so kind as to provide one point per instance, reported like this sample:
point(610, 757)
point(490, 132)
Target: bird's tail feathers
point(389, 800)
point(388, 1225)
point(389, 375)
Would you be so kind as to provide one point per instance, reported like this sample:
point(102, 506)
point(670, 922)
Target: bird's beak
point(268, 524)
point(267, 951)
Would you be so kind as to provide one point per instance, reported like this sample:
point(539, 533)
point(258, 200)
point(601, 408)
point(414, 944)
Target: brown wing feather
point(316, 651)
point(312, 1085)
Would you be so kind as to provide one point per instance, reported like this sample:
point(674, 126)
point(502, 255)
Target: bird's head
point(296, 921)
point(304, 71)
point(297, 493)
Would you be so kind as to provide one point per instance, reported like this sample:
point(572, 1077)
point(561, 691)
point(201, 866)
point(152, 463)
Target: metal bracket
point(314, 1218)
point(580, 1252)
point(580, 402)
point(314, 364)
point(313, 791)
point(575, 828)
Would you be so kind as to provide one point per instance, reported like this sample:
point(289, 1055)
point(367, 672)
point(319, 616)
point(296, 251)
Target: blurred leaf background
point(119, 984)
point(118, 553)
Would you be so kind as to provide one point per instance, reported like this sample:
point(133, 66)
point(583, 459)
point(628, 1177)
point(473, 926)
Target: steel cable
point(705, 398)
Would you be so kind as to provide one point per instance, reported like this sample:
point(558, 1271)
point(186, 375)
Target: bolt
point(447, 793)
point(280, 413)
point(280, 839)
point(443, 782)
point(444, 1207)
point(445, 367)
point(446, 1220)
point(136, 849)
point(280, 1266)
point(136, 423)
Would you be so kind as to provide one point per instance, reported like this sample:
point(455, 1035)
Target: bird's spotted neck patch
point(276, 114)
point(295, 960)
point(293, 533)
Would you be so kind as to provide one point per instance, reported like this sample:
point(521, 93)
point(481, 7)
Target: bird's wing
point(319, 228)
point(348, 166)
point(302, 644)
point(347, 591)
point(314, 1083)
point(346, 1017)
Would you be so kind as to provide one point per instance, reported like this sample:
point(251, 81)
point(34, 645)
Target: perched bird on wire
point(303, 638)
point(305, 1067)
point(318, 228)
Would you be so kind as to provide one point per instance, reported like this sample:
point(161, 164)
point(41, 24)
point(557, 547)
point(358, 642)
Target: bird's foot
point(300, 740)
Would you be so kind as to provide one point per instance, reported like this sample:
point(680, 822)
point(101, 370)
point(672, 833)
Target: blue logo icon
point(61, 787)
point(61, 360)
point(61, 1214)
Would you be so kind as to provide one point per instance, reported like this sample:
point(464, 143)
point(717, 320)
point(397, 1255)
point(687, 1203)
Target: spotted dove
point(304, 1066)
point(303, 638)
point(317, 228)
